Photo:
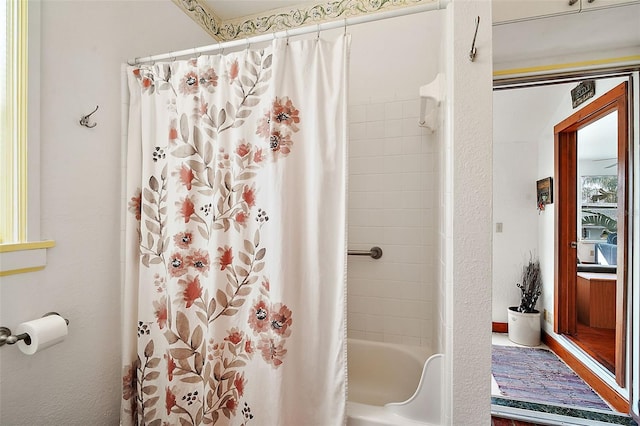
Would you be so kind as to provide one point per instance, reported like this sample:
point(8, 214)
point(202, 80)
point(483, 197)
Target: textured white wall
point(392, 181)
point(83, 44)
point(466, 254)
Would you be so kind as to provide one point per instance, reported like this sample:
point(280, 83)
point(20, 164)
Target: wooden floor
point(599, 343)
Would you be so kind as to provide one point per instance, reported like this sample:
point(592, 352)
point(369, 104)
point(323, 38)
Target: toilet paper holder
point(7, 337)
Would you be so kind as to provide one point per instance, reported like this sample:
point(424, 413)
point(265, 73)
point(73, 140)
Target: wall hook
point(473, 51)
point(84, 121)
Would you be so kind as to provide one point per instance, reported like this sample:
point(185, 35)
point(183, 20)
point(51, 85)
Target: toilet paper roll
point(43, 332)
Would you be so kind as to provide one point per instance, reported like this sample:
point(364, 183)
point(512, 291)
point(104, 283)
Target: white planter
point(524, 328)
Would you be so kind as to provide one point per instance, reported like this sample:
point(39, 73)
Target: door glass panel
point(598, 191)
point(597, 211)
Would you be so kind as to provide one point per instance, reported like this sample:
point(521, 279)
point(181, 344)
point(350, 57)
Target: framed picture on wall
point(544, 191)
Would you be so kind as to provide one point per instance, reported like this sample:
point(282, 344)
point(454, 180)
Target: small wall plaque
point(584, 91)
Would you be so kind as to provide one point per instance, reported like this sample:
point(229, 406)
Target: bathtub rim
point(419, 353)
point(375, 415)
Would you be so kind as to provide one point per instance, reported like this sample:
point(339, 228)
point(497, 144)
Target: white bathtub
point(392, 385)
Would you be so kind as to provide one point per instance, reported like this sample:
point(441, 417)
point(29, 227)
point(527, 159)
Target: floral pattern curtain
point(234, 281)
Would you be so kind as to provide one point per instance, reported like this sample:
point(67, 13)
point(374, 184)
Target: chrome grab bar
point(374, 252)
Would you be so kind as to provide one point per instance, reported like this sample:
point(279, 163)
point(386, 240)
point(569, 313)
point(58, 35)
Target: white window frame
point(25, 251)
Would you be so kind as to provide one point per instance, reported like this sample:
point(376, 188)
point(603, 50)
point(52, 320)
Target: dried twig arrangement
point(531, 286)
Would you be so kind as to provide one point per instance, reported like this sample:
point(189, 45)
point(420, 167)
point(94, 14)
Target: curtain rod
point(308, 29)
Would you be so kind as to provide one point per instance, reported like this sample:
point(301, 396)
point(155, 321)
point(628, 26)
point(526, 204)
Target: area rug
point(538, 375)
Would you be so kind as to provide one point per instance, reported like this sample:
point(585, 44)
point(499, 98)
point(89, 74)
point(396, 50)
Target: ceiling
point(602, 30)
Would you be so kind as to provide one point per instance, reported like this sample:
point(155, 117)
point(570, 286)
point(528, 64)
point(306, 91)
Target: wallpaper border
point(285, 18)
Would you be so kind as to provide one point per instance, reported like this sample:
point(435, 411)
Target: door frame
point(565, 265)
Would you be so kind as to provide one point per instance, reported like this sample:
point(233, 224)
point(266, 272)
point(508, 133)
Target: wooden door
point(566, 149)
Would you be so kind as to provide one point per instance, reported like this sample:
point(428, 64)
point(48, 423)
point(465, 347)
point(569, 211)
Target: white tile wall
point(392, 204)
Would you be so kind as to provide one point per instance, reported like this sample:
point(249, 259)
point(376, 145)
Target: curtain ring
point(287, 34)
point(247, 41)
point(318, 36)
point(345, 26)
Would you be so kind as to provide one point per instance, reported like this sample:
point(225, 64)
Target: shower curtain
point(234, 269)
